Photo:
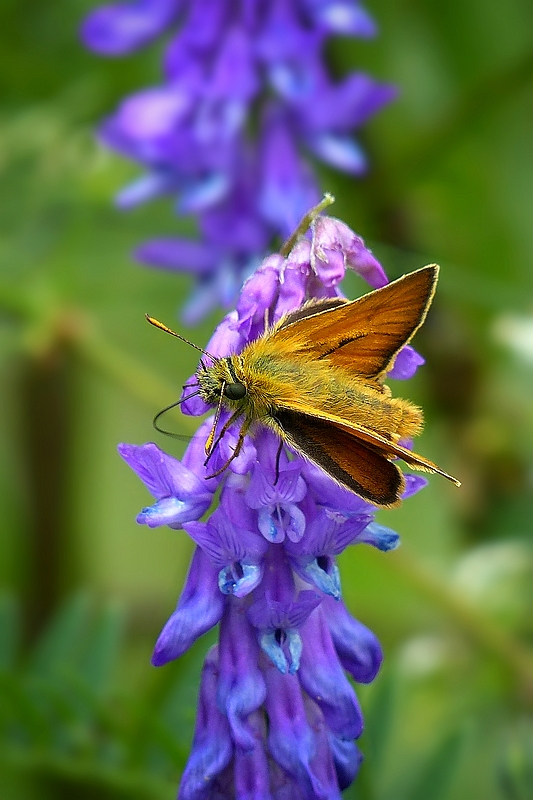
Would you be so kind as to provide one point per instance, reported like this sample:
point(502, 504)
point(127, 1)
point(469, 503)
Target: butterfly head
point(222, 381)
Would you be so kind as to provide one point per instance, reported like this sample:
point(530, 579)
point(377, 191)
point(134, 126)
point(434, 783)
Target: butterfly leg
point(278, 456)
point(240, 441)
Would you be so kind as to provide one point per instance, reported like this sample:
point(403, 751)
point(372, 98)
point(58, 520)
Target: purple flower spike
point(246, 101)
point(277, 714)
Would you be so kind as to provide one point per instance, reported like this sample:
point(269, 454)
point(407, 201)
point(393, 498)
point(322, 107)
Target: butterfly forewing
point(365, 335)
point(344, 456)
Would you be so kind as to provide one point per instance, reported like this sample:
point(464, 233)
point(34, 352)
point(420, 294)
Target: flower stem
point(306, 222)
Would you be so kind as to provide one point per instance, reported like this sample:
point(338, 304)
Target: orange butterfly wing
point(362, 336)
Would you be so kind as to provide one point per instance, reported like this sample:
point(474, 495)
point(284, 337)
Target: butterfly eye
point(235, 391)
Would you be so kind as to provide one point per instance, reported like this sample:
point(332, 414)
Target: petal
point(199, 608)
point(295, 649)
point(199, 195)
point(227, 337)
point(241, 687)
point(325, 575)
point(290, 487)
point(147, 187)
point(295, 522)
point(341, 152)
point(413, 484)
point(119, 29)
point(347, 759)
point(144, 119)
point(291, 739)
point(239, 579)
point(336, 247)
point(235, 74)
point(186, 255)
point(344, 17)
point(343, 106)
point(173, 512)
point(271, 646)
point(288, 185)
point(323, 679)
point(357, 647)
point(270, 524)
point(251, 767)
point(406, 364)
point(260, 290)
point(294, 279)
point(379, 536)
point(163, 475)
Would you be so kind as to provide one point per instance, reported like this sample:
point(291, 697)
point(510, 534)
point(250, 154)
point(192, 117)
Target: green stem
point(305, 224)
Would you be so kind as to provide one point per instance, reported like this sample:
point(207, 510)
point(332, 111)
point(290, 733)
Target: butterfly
point(316, 379)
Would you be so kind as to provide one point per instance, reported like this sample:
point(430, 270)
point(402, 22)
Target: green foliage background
point(82, 713)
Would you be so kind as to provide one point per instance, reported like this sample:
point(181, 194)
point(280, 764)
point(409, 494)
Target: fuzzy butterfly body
point(316, 380)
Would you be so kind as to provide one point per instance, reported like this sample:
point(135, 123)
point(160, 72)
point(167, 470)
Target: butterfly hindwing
point(387, 448)
point(348, 459)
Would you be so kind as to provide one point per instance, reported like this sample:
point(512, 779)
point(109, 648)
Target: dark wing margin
point(347, 459)
point(309, 310)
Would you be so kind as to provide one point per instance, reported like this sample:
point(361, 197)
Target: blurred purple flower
point(245, 104)
point(277, 716)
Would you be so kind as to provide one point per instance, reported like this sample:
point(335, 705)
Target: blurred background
point(86, 590)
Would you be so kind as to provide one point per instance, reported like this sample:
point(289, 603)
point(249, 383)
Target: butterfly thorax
point(273, 380)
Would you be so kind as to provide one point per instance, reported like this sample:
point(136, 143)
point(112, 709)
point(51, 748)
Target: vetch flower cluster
point(246, 100)
point(277, 715)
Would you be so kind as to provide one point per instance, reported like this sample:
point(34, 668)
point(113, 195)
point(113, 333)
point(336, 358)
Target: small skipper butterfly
point(316, 379)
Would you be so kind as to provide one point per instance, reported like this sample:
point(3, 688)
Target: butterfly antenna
point(164, 411)
point(161, 326)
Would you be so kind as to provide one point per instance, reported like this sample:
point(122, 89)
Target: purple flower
point(277, 715)
point(245, 106)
